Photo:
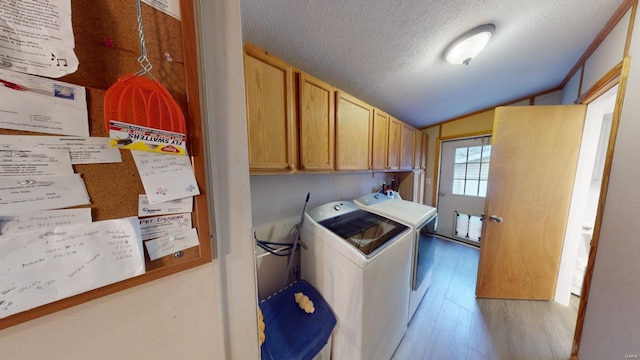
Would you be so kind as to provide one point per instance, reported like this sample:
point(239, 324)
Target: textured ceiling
point(389, 53)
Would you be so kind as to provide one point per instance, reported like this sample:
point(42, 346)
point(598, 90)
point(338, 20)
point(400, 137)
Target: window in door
point(471, 170)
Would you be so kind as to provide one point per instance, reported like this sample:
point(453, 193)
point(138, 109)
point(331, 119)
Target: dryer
point(422, 220)
point(360, 263)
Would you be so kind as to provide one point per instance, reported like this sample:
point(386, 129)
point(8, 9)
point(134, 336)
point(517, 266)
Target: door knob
point(495, 218)
point(442, 193)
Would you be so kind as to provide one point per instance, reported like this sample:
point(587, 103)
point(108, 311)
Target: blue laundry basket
point(291, 333)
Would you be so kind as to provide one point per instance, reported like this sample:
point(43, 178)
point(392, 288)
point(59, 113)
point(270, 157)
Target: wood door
point(354, 120)
point(380, 140)
point(269, 97)
point(393, 155)
point(533, 163)
point(407, 138)
point(417, 149)
point(317, 123)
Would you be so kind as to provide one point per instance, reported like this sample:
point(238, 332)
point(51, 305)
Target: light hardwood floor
point(452, 324)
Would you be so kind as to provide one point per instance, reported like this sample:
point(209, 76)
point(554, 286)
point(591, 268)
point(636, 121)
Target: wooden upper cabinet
point(425, 144)
point(354, 120)
point(270, 111)
point(406, 147)
point(417, 149)
point(393, 155)
point(316, 104)
point(380, 140)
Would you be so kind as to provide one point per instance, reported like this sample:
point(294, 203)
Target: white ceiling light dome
point(469, 45)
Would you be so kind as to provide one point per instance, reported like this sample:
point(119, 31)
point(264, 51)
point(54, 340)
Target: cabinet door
point(269, 97)
point(395, 130)
point(406, 146)
point(380, 140)
point(354, 120)
point(417, 149)
point(425, 144)
point(317, 123)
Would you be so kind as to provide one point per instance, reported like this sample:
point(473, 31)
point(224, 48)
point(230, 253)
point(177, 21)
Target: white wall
point(202, 313)
point(277, 197)
point(608, 55)
point(612, 316)
point(552, 98)
point(223, 85)
point(571, 91)
point(173, 317)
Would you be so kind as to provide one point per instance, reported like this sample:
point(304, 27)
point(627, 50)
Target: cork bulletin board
point(107, 46)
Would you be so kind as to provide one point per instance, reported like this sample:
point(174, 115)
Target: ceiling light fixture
point(469, 45)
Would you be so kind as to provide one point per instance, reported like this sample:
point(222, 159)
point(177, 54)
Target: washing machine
point(360, 263)
point(422, 220)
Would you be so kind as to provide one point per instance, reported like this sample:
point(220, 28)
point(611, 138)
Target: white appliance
point(423, 221)
point(360, 263)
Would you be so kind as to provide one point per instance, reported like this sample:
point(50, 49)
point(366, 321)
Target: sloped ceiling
point(389, 53)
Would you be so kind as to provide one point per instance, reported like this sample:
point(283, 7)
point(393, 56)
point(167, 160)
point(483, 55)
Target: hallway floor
point(452, 324)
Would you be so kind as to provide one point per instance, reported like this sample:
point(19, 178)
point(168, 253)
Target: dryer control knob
point(337, 207)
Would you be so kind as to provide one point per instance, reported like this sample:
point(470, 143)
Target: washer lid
point(365, 231)
point(373, 198)
point(402, 210)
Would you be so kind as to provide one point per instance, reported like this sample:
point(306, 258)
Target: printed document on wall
point(43, 266)
point(38, 104)
point(82, 149)
point(36, 37)
point(35, 162)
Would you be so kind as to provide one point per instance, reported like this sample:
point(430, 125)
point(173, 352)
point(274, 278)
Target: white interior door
point(462, 187)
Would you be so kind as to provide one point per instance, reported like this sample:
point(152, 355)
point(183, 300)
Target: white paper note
point(165, 177)
point(164, 208)
point(83, 150)
point(28, 194)
point(164, 225)
point(32, 103)
point(36, 37)
point(170, 244)
point(169, 7)
point(43, 220)
point(34, 162)
point(39, 267)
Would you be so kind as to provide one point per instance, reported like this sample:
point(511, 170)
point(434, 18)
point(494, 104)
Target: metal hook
point(143, 60)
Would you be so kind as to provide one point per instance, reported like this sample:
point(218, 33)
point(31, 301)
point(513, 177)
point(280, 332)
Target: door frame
point(616, 76)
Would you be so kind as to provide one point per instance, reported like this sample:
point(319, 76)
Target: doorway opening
point(462, 188)
point(586, 194)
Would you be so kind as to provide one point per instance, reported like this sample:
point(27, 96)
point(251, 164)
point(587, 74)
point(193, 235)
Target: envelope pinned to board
point(26, 194)
point(32, 103)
